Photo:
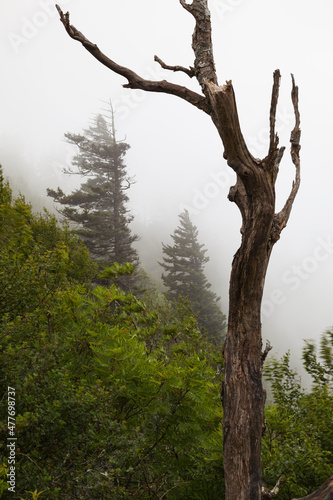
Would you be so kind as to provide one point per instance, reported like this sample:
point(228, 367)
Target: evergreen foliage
point(98, 208)
point(36, 256)
point(114, 399)
point(120, 398)
point(184, 265)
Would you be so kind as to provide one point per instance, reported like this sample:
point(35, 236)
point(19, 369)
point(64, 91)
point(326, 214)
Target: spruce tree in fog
point(184, 265)
point(98, 207)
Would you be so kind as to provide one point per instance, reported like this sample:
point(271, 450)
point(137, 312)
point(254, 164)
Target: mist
point(51, 85)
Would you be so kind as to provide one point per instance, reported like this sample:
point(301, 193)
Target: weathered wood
point(325, 492)
point(254, 194)
point(188, 71)
point(202, 42)
point(134, 81)
point(243, 395)
point(267, 494)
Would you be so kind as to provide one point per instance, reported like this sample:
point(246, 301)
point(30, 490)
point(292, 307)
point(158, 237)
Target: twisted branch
point(134, 81)
point(281, 219)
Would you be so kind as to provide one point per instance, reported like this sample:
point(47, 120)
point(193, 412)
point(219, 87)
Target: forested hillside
point(118, 398)
point(166, 325)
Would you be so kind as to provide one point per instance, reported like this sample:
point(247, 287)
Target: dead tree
point(254, 194)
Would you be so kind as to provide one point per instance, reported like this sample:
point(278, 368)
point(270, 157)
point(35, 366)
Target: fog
point(51, 85)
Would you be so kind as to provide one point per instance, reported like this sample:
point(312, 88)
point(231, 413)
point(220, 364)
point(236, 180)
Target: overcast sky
point(51, 85)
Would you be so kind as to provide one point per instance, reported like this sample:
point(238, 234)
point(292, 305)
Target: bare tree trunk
point(254, 194)
point(243, 396)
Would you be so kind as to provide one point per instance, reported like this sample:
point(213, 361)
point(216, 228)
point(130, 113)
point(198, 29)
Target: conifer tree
point(98, 207)
point(184, 264)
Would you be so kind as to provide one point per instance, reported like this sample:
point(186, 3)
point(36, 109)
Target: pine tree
point(98, 208)
point(184, 263)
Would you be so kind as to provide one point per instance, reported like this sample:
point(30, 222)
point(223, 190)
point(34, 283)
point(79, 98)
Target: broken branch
point(282, 217)
point(274, 140)
point(202, 42)
point(267, 494)
point(268, 348)
point(134, 81)
point(186, 6)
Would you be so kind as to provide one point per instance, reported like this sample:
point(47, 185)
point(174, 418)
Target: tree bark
point(243, 397)
point(325, 492)
point(254, 194)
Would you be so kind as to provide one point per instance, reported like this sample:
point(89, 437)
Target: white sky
point(51, 85)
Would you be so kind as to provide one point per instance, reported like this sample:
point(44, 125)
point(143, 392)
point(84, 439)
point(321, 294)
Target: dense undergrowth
point(117, 396)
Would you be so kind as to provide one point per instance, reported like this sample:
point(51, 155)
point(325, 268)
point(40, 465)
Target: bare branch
point(268, 348)
point(134, 81)
point(294, 97)
point(27, 456)
point(168, 491)
point(186, 6)
point(202, 42)
point(189, 71)
point(274, 140)
point(278, 159)
point(267, 494)
point(282, 217)
point(273, 159)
